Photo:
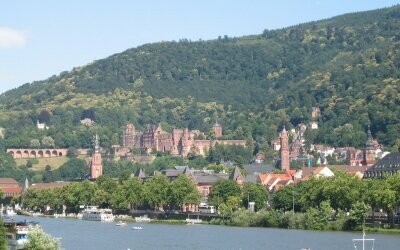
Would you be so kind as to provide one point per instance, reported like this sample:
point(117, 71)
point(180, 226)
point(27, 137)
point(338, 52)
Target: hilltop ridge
point(347, 65)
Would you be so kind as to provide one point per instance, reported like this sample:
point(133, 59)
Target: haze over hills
point(348, 66)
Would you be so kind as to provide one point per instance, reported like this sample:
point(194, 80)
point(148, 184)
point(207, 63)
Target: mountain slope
point(347, 65)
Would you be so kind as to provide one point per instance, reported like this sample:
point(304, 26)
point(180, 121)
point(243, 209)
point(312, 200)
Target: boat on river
point(190, 221)
point(143, 218)
point(17, 233)
point(120, 223)
point(137, 228)
point(97, 214)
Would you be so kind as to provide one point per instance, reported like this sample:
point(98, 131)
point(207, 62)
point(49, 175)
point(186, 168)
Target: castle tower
point(285, 161)
point(369, 150)
point(217, 130)
point(96, 167)
point(128, 136)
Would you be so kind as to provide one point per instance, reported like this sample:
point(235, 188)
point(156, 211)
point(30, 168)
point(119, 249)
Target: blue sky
point(42, 38)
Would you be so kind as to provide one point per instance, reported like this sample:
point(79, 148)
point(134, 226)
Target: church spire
point(96, 144)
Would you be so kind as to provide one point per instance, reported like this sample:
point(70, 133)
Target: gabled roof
point(174, 173)
point(252, 178)
point(348, 169)
point(258, 168)
point(207, 178)
point(139, 173)
point(235, 174)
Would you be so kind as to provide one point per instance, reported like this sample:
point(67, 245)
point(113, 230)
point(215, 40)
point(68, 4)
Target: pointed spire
point(369, 133)
point(370, 141)
point(140, 173)
point(26, 186)
point(96, 144)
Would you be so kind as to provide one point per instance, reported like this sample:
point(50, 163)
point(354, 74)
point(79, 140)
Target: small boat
point(137, 228)
point(143, 218)
point(194, 221)
point(121, 223)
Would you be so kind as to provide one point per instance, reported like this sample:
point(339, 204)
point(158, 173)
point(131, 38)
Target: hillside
point(347, 65)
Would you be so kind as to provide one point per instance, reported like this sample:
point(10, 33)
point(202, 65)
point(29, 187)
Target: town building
point(388, 165)
point(315, 112)
point(10, 187)
point(41, 126)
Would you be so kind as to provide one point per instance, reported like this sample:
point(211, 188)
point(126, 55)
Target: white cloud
point(11, 38)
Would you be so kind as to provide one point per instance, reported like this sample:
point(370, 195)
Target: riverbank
point(261, 219)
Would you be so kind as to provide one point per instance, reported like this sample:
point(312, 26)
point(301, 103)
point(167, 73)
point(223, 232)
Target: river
point(80, 234)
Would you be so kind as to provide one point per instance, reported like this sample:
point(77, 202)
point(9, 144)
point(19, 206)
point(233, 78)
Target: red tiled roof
point(8, 182)
point(11, 191)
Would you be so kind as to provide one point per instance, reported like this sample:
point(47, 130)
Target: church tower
point(285, 161)
point(369, 150)
point(96, 167)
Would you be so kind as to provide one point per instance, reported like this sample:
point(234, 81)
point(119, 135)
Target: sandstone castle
point(179, 142)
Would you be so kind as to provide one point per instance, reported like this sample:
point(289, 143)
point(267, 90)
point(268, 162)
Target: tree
point(39, 240)
point(256, 193)
point(359, 212)
point(128, 195)
point(72, 152)
point(222, 190)
point(48, 142)
point(73, 169)
point(88, 113)
point(44, 116)
point(35, 143)
point(183, 191)
point(77, 194)
point(3, 236)
point(155, 191)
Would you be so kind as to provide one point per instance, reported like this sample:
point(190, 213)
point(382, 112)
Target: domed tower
point(285, 161)
point(96, 166)
point(369, 150)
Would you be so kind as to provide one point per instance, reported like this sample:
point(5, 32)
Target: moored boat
point(17, 233)
point(143, 218)
point(97, 214)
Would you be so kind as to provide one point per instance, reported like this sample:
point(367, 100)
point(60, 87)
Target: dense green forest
point(348, 66)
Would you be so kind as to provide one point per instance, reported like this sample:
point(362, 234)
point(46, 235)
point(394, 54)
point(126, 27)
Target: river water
point(87, 235)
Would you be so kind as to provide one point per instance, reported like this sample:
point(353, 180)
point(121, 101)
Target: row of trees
point(342, 193)
point(155, 193)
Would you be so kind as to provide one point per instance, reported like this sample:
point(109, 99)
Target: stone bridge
point(36, 153)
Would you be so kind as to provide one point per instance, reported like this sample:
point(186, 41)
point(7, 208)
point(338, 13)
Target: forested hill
point(348, 66)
